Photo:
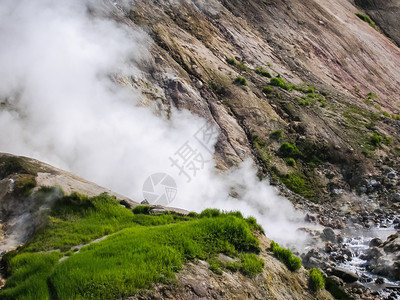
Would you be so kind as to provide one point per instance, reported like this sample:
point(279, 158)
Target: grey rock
point(329, 235)
point(336, 280)
point(363, 189)
point(396, 197)
point(376, 242)
point(145, 202)
point(375, 252)
point(344, 274)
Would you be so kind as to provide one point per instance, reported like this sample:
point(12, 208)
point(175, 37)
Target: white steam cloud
point(59, 104)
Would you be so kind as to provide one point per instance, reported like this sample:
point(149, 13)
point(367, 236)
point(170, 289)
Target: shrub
point(251, 264)
point(366, 19)
point(237, 64)
point(289, 150)
point(268, 90)
point(276, 134)
point(240, 80)
point(231, 61)
point(24, 184)
point(142, 209)
point(386, 114)
point(371, 96)
point(316, 279)
point(253, 225)
point(310, 90)
point(215, 265)
point(241, 66)
point(298, 184)
point(290, 162)
point(263, 72)
point(375, 140)
point(210, 213)
point(279, 81)
point(286, 256)
point(233, 266)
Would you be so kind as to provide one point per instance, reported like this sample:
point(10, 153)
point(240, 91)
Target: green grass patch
point(263, 72)
point(140, 249)
point(290, 150)
point(316, 279)
point(233, 62)
point(24, 184)
point(276, 134)
point(29, 276)
point(290, 162)
point(366, 19)
point(280, 82)
point(251, 264)
point(299, 184)
point(286, 256)
point(142, 209)
point(240, 80)
point(268, 90)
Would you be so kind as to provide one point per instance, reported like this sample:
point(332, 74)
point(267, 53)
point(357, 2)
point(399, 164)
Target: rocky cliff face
point(344, 76)
point(385, 14)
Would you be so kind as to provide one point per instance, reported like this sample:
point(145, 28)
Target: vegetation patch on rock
point(132, 250)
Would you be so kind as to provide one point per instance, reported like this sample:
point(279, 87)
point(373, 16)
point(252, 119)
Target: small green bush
point(290, 162)
point(251, 264)
point(276, 134)
point(371, 96)
point(280, 82)
point(267, 90)
point(237, 64)
point(316, 280)
point(375, 140)
point(289, 150)
point(253, 225)
point(286, 256)
point(277, 81)
point(142, 209)
point(24, 184)
point(240, 80)
point(231, 61)
point(233, 266)
point(386, 114)
point(210, 213)
point(263, 72)
point(365, 19)
point(311, 90)
point(215, 265)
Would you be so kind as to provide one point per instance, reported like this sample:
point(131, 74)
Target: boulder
point(328, 235)
point(344, 274)
point(376, 242)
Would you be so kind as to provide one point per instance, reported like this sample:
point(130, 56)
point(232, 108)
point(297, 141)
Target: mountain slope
point(345, 75)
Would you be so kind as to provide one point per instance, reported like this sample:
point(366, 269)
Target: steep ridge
point(323, 46)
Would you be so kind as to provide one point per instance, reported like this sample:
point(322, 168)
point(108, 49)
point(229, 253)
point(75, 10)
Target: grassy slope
point(139, 250)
